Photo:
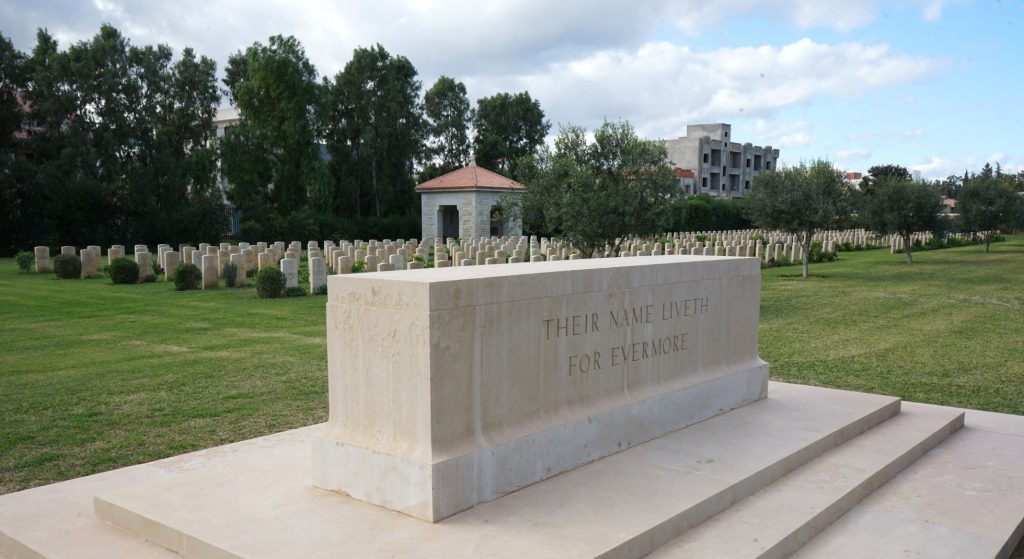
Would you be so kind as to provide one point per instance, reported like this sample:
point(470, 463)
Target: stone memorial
point(317, 274)
point(172, 259)
point(211, 271)
point(602, 355)
point(238, 259)
point(114, 252)
point(145, 262)
point(42, 255)
point(290, 269)
point(90, 262)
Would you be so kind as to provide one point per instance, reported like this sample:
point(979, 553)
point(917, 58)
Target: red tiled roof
point(683, 173)
point(470, 178)
point(853, 175)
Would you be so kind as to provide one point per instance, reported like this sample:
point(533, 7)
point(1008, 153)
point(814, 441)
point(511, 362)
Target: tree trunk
point(907, 247)
point(806, 250)
point(988, 240)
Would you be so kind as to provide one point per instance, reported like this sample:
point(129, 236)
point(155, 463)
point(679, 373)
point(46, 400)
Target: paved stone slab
point(259, 504)
point(777, 520)
point(962, 500)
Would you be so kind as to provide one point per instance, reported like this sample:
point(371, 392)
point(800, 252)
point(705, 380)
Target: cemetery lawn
point(95, 376)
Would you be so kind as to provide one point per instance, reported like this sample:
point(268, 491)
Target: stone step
point(962, 500)
point(778, 520)
point(262, 504)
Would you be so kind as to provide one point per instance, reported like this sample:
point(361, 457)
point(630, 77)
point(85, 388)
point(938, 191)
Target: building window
point(704, 183)
point(706, 157)
point(746, 185)
point(748, 163)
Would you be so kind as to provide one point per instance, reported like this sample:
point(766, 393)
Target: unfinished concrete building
point(720, 166)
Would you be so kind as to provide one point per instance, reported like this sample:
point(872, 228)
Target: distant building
point(853, 178)
point(464, 203)
point(720, 166)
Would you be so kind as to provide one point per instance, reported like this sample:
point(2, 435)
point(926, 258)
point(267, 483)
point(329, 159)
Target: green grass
point(95, 376)
point(946, 329)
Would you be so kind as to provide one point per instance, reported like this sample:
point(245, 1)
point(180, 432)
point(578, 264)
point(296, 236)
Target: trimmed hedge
point(124, 271)
point(269, 283)
point(186, 277)
point(67, 266)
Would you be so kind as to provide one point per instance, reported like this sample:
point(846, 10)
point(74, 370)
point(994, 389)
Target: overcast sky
point(932, 84)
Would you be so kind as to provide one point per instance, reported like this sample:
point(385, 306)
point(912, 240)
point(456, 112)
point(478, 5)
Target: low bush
point(230, 274)
point(358, 266)
point(269, 283)
point(25, 260)
point(322, 290)
point(67, 266)
point(124, 271)
point(186, 277)
point(294, 292)
point(157, 271)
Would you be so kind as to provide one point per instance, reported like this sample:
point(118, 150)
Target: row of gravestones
point(345, 256)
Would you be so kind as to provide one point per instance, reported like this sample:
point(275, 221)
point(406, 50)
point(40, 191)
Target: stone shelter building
point(465, 203)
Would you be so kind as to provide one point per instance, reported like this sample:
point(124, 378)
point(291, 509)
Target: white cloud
point(662, 86)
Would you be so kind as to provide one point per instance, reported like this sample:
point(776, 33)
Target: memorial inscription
point(674, 340)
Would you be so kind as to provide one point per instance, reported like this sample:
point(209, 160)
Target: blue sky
point(934, 85)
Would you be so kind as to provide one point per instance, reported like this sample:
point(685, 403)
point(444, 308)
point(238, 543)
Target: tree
point(272, 159)
point(596, 194)
point(881, 173)
point(799, 200)
point(376, 132)
point(115, 144)
point(987, 204)
point(508, 127)
point(448, 116)
point(902, 208)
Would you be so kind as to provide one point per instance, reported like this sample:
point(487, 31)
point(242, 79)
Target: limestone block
point(114, 252)
point(211, 271)
point(617, 348)
point(290, 268)
point(43, 263)
point(317, 273)
point(90, 263)
point(239, 261)
point(265, 259)
point(145, 262)
point(171, 260)
point(68, 250)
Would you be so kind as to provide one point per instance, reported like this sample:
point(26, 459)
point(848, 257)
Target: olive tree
point(986, 204)
point(901, 207)
point(593, 194)
point(800, 200)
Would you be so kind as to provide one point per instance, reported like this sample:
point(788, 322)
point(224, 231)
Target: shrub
point(124, 271)
point(418, 258)
point(269, 283)
point(784, 261)
point(186, 277)
point(67, 266)
point(358, 266)
point(933, 243)
point(25, 259)
point(157, 271)
point(701, 238)
point(230, 274)
point(294, 292)
point(757, 237)
point(148, 279)
point(321, 290)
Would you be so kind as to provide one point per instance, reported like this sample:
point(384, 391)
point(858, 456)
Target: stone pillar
point(290, 267)
point(43, 263)
point(145, 262)
point(238, 259)
point(171, 260)
point(90, 262)
point(265, 259)
point(114, 252)
point(211, 272)
point(344, 265)
point(317, 274)
point(67, 250)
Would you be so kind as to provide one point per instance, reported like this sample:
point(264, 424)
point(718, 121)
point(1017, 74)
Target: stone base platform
point(809, 472)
